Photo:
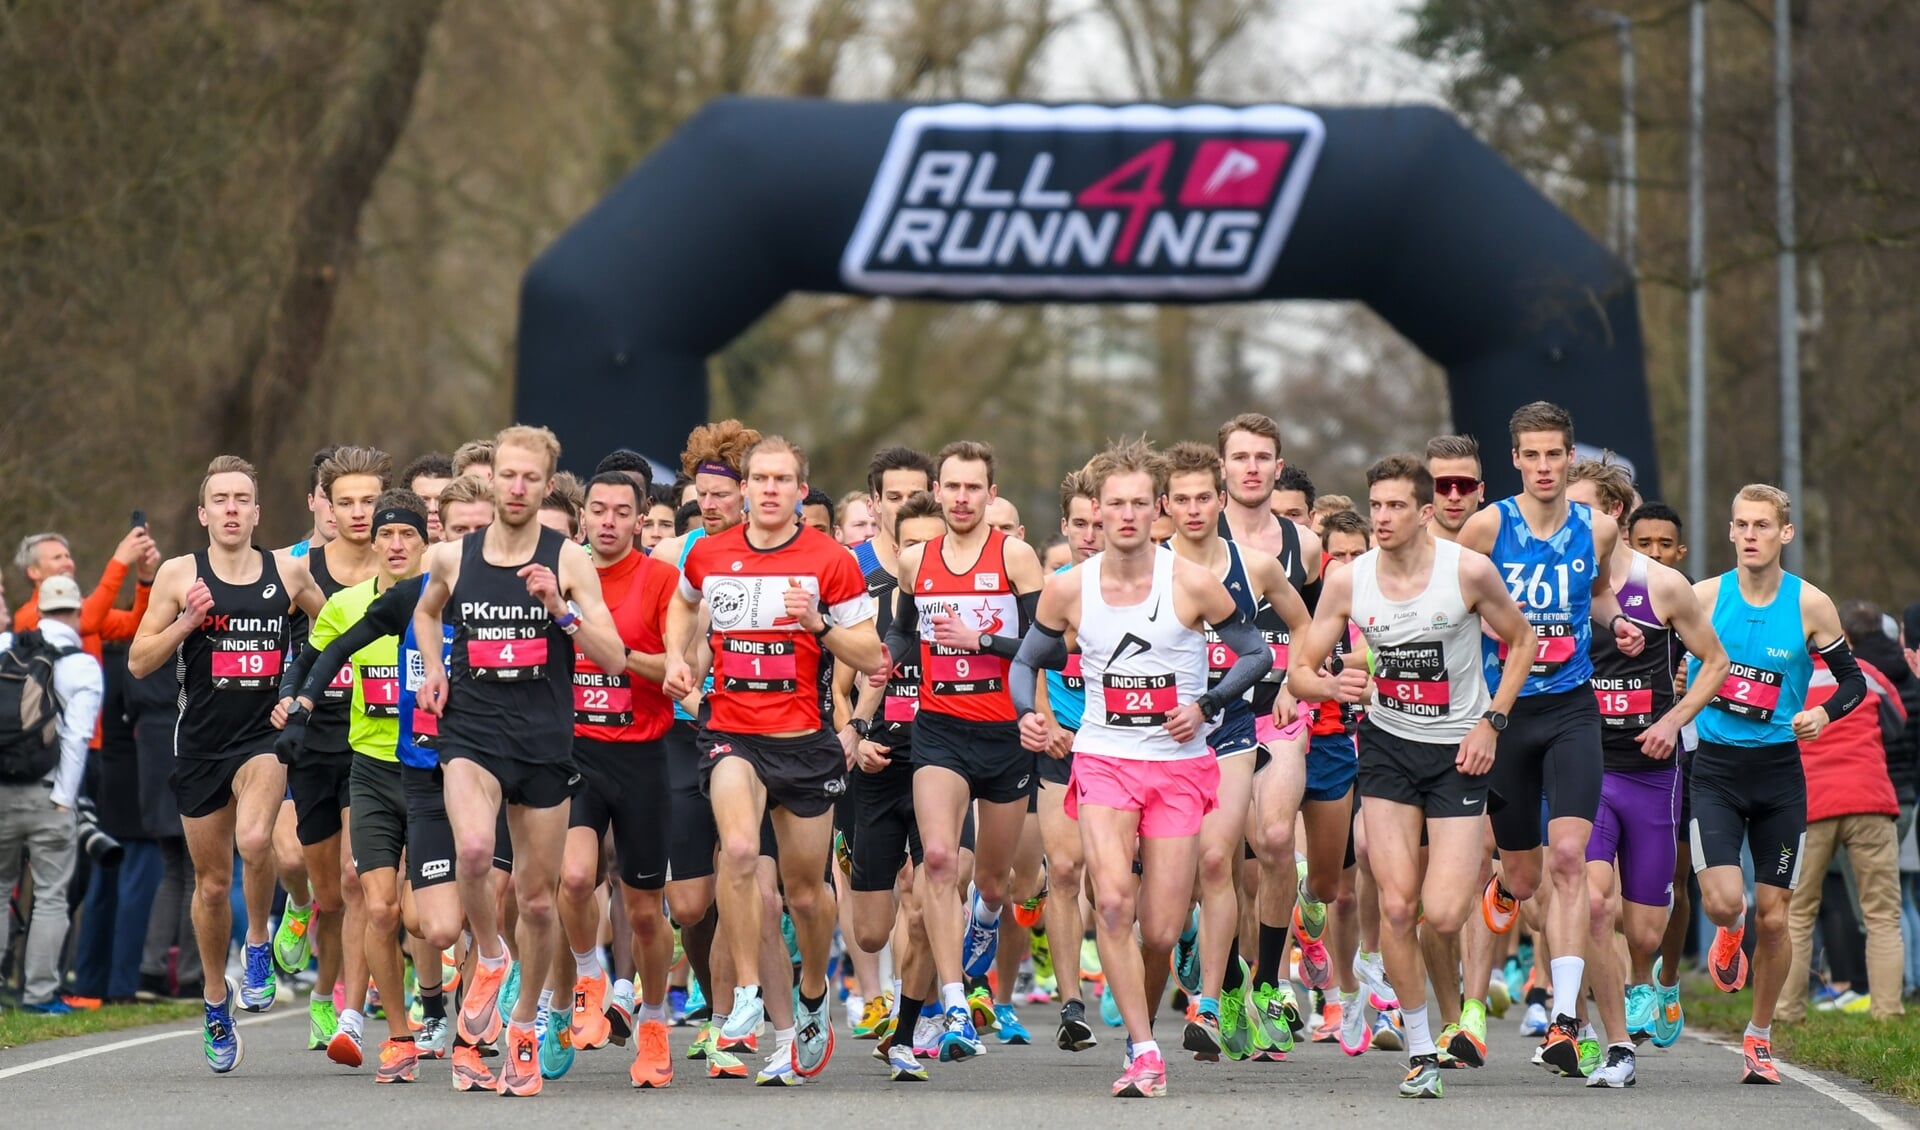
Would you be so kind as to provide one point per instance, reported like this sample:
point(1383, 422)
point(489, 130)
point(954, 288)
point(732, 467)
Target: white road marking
point(137, 1041)
point(1857, 1103)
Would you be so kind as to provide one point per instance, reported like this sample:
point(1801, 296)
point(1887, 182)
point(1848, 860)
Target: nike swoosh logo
point(1155, 614)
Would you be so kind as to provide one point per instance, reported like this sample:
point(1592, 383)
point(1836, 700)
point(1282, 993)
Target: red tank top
point(618, 707)
point(969, 685)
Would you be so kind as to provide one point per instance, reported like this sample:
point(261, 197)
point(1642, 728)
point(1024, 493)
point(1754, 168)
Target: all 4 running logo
point(1083, 201)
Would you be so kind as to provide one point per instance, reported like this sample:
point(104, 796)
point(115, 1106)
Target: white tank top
point(1428, 683)
point(1140, 664)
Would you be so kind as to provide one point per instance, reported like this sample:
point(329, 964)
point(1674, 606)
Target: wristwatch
point(1497, 720)
point(986, 641)
point(863, 726)
point(1208, 707)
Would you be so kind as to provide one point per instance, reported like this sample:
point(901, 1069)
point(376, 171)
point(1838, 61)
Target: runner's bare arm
point(442, 566)
point(596, 636)
point(1310, 649)
point(1271, 581)
point(164, 628)
point(1674, 601)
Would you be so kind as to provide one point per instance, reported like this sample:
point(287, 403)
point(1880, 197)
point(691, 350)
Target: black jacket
point(1903, 745)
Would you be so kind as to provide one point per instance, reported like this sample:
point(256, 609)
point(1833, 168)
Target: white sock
point(984, 916)
point(546, 998)
point(782, 1037)
point(1145, 1047)
point(893, 1008)
point(855, 1006)
point(1587, 1032)
point(498, 960)
point(587, 963)
point(952, 996)
point(1347, 1000)
point(1739, 923)
point(653, 1012)
point(300, 904)
point(1759, 1033)
point(352, 1021)
point(1567, 973)
point(1419, 1038)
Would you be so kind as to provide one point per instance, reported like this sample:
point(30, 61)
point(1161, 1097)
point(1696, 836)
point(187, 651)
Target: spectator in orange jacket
point(47, 555)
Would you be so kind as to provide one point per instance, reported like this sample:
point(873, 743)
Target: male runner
point(1004, 516)
point(1555, 559)
point(1427, 742)
point(426, 477)
point(777, 594)
point(1195, 492)
point(619, 720)
point(967, 595)
point(1640, 722)
point(1747, 780)
point(1346, 536)
point(1293, 496)
point(475, 457)
point(515, 596)
point(221, 614)
point(1143, 778)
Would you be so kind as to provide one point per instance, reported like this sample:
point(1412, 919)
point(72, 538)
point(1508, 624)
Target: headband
point(709, 467)
point(400, 516)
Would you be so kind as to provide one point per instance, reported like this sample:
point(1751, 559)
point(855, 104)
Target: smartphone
point(139, 518)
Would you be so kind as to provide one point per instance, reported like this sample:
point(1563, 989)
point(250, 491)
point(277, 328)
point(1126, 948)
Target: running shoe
point(1561, 1053)
point(958, 1040)
point(259, 986)
point(677, 1007)
point(1536, 1022)
point(1044, 990)
point(813, 1038)
point(1422, 1080)
point(591, 1028)
point(1515, 975)
point(1202, 1036)
point(1009, 1030)
point(292, 947)
point(1616, 1072)
point(902, 1067)
point(322, 1022)
point(480, 1009)
point(521, 1072)
point(927, 1030)
point(1852, 1003)
point(877, 1010)
point(1236, 1027)
point(1042, 954)
point(1498, 907)
point(345, 1048)
point(779, 1070)
point(1759, 1067)
point(1592, 1051)
point(723, 1064)
point(1309, 924)
point(556, 1045)
point(220, 1038)
point(1727, 962)
point(980, 942)
point(742, 1026)
point(1075, 1034)
point(1272, 1026)
point(1643, 1004)
point(470, 1071)
point(1371, 971)
point(1186, 955)
point(1290, 1008)
point(619, 1013)
point(375, 1010)
point(702, 1043)
point(509, 987)
point(1145, 1078)
point(1109, 1008)
point(843, 853)
point(653, 1058)
point(1387, 1032)
point(435, 1037)
point(1330, 1019)
point(449, 972)
point(1027, 913)
point(1668, 1018)
point(1499, 1000)
point(1355, 1037)
point(398, 1060)
point(1090, 961)
point(1468, 1043)
point(980, 1008)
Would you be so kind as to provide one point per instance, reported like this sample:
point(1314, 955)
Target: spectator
point(169, 959)
point(119, 899)
point(46, 555)
point(1850, 803)
point(38, 816)
point(1877, 641)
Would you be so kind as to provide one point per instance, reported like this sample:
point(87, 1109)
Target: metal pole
point(1697, 290)
point(1629, 153)
point(1790, 479)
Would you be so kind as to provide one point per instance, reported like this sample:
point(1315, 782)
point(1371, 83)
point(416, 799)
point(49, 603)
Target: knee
point(740, 855)
point(383, 915)
point(1645, 937)
point(1343, 902)
point(1115, 907)
point(1216, 865)
point(1273, 841)
point(254, 843)
point(992, 888)
point(1398, 911)
point(688, 906)
point(1064, 878)
point(441, 935)
point(1160, 937)
point(576, 884)
point(1599, 912)
point(1721, 906)
point(473, 854)
point(804, 900)
point(1770, 919)
point(1567, 862)
point(942, 862)
point(872, 936)
point(536, 903)
point(214, 889)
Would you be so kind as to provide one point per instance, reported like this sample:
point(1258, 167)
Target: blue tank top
point(1552, 581)
point(1066, 691)
point(1771, 667)
point(416, 748)
point(1220, 657)
point(686, 547)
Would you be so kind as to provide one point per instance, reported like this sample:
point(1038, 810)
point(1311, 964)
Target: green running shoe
point(1042, 957)
point(1236, 1036)
point(292, 945)
point(1591, 1052)
point(1423, 1078)
point(322, 1022)
point(702, 1045)
point(1272, 1031)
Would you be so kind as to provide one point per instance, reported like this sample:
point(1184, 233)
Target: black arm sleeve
point(311, 670)
point(1852, 689)
point(1042, 647)
point(1008, 647)
point(903, 635)
point(1253, 660)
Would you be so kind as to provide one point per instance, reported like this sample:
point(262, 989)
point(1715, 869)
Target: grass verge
point(18, 1026)
point(1884, 1054)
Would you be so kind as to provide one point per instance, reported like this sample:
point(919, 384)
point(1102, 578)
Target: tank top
point(1771, 667)
point(614, 706)
point(1633, 691)
point(1268, 620)
point(1220, 657)
point(229, 668)
point(1141, 665)
point(1552, 581)
point(686, 547)
point(510, 687)
point(1067, 688)
point(1428, 683)
point(970, 685)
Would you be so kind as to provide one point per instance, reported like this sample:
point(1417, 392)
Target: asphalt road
point(156, 1077)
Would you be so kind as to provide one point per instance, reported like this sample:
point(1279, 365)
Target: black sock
point(812, 1003)
point(1273, 951)
point(908, 1016)
point(1537, 996)
point(406, 1039)
point(1232, 980)
point(433, 1002)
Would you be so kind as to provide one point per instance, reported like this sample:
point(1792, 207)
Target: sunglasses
point(1449, 485)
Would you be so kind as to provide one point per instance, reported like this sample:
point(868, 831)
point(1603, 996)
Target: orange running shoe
point(1329, 1030)
point(1727, 962)
point(398, 1058)
point(1759, 1068)
point(1561, 1052)
point(480, 1010)
point(1498, 906)
point(520, 1075)
point(653, 1063)
point(344, 1048)
point(470, 1071)
point(1028, 913)
point(591, 1028)
point(749, 1043)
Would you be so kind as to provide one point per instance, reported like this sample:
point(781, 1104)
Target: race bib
point(965, 672)
point(1625, 704)
point(1750, 692)
point(246, 665)
point(1139, 700)
point(600, 699)
point(380, 691)
point(1557, 646)
point(340, 688)
point(515, 654)
point(759, 666)
point(1412, 680)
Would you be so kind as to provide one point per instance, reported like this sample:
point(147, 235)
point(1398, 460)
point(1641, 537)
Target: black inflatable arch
point(1397, 207)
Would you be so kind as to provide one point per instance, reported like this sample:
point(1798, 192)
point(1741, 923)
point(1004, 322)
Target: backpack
point(29, 708)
